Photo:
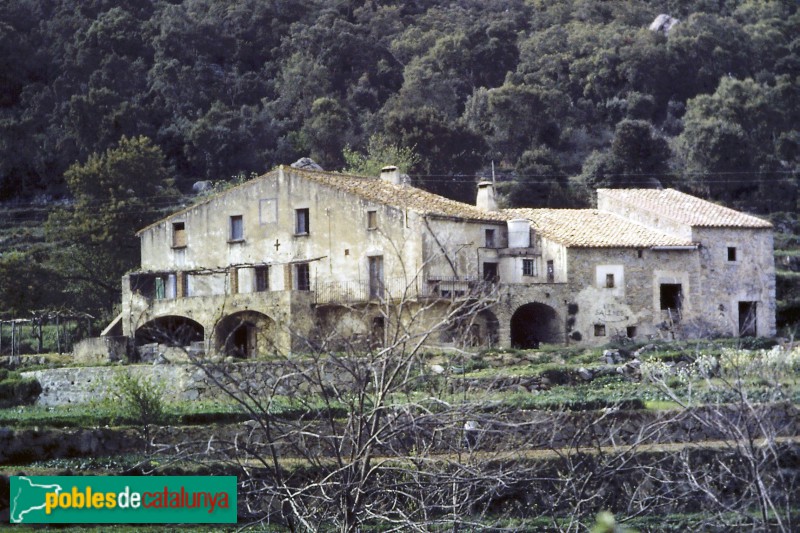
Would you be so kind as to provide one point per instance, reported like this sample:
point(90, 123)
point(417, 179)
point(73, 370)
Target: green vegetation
point(15, 390)
point(538, 464)
point(137, 401)
point(107, 413)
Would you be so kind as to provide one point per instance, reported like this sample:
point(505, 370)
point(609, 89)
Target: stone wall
point(746, 276)
point(21, 446)
point(181, 382)
point(99, 350)
point(634, 301)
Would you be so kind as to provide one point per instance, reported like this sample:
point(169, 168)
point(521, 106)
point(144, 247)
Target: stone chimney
point(486, 200)
point(391, 174)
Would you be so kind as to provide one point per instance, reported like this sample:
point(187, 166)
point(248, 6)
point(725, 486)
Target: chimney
point(391, 174)
point(486, 199)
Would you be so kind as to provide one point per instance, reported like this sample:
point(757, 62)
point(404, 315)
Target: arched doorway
point(170, 330)
point(246, 334)
point(535, 323)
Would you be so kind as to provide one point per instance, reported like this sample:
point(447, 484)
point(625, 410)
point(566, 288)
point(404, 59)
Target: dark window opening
point(302, 226)
point(490, 241)
point(490, 273)
point(630, 332)
point(747, 319)
point(302, 277)
point(376, 277)
point(731, 253)
point(261, 274)
point(372, 220)
point(639, 253)
point(179, 235)
point(671, 296)
point(599, 330)
point(529, 267)
point(609, 281)
point(237, 228)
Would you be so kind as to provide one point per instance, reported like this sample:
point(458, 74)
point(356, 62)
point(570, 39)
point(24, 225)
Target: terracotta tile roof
point(590, 228)
point(685, 209)
point(403, 196)
point(373, 189)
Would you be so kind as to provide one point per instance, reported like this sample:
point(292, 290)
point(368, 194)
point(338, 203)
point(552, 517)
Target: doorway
point(747, 319)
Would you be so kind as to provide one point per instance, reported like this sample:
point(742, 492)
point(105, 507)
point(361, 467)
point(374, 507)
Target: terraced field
point(664, 436)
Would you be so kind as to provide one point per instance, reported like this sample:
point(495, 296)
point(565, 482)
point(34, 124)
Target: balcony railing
point(349, 292)
point(147, 286)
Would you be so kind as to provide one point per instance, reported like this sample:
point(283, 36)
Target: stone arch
point(172, 330)
point(535, 323)
point(245, 334)
point(481, 329)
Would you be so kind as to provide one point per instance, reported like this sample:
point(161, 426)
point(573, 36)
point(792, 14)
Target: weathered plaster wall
point(339, 246)
point(339, 239)
point(749, 278)
point(458, 248)
point(635, 298)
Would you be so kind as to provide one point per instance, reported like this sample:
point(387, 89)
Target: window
point(178, 234)
point(639, 253)
point(599, 330)
point(609, 281)
point(161, 292)
point(261, 278)
point(630, 332)
point(237, 228)
point(551, 272)
point(671, 296)
point(731, 253)
point(182, 285)
point(490, 243)
point(376, 277)
point(301, 226)
point(372, 220)
point(234, 275)
point(302, 276)
point(529, 267)
point(490, 272)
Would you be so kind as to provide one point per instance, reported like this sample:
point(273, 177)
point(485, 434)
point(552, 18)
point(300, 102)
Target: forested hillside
point(563, 96)
point(551, 89)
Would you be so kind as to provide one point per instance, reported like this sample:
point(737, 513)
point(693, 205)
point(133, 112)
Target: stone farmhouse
point(295, 254)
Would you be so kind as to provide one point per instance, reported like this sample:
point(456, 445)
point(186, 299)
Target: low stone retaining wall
point(75, 385)
point(22, 446)
point(531, 430)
